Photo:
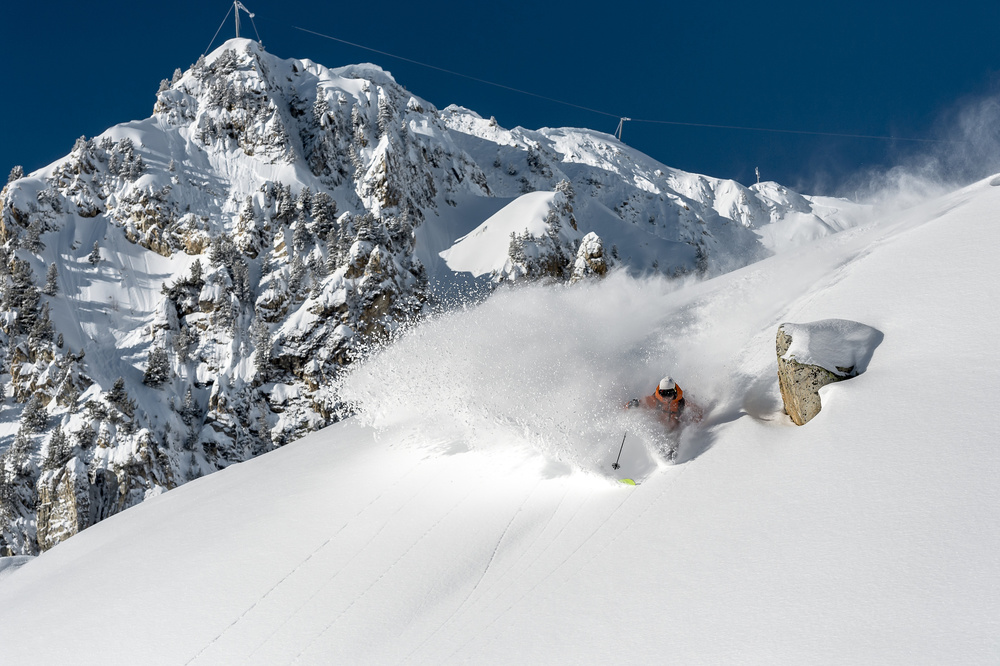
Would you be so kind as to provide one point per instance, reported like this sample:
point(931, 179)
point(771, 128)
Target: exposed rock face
point(63, 504)
point(810, 356)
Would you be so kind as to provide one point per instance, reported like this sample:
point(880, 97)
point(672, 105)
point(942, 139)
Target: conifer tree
point(95, 254)
point(260, 335)
point(157, 367)
point(118, 397)
point(15, 174)
point(324, 213)
point(182, 343)
point(301, 238)
point(241, 279)
point(59, 449)
point(189, 410)
point(17, 457)
point(33, 239)
point(304, 202)
point(41, 330)
point(196, 273)
point(35, 416)
point(22, 295)
point(297, 274)
point(332, 251)
point(385, 113)
point(85, 436)
point(320, 107)
point(51, 281)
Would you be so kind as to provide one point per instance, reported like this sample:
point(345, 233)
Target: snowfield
point(469, 513)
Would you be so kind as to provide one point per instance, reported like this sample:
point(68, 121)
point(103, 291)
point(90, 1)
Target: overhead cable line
point(619, 116)
point(220, 28)
point(464, 76)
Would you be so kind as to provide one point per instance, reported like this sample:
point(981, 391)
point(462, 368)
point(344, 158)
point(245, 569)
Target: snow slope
point(469, 515)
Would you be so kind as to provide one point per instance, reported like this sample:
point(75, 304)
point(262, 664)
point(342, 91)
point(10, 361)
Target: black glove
point(634, 402)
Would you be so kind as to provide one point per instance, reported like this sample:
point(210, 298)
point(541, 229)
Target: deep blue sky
point(890, 68)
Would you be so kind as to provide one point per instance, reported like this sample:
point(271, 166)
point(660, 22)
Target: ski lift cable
point(464, 76)
point(790, 131)
point(619, 116)
point(219, 28)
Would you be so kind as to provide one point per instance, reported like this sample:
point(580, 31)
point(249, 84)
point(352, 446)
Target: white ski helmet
point(666, 384)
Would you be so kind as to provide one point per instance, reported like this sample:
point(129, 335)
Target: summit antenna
point(621, 124)
point(236, 7)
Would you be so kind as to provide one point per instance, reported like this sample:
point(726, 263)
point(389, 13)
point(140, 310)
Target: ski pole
point(616, 465)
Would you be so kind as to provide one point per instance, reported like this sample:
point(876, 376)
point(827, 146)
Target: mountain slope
point(180, 293)
point(472, 518)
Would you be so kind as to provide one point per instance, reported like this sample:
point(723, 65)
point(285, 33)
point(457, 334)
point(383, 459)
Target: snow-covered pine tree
point(35, 416)
point(51, 281)
point(118, 397)
point(157, 367)
point(84, 437)
point(320, 107)
point(182, 343)
point(59, 450)
point(324, 213)
point(386, 113)
point(22, 295)
point(260, 336)
point(95, 254)
point(15, 174)
point(40, 333)
point(303, 202)
point(33, 239)
point(196, 273)
point(297, 275)
point(189, 410)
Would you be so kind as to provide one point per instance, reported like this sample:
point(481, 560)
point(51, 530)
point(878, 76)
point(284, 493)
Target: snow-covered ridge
point(209, 271)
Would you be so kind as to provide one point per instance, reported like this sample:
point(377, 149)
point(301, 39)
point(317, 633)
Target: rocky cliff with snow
point(179, 293)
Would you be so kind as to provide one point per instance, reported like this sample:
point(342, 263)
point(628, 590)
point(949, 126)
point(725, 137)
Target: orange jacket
point(669, 410)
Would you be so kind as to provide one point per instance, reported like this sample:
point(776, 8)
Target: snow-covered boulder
point(812, 355)
point(590, 259)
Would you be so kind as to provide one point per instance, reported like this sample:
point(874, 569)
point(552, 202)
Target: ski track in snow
point(523, 554)
point(381, 576)
point(482, 576)
point(669, 484)
point(346, 564)
point(553, 541)
point(305, 561)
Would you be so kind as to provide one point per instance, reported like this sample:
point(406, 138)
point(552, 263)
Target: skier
point(667, 400)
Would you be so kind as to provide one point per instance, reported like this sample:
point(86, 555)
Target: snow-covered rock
point(818, 353)
point(590, 259)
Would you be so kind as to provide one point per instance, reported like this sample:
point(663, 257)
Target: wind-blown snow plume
point(549, 369)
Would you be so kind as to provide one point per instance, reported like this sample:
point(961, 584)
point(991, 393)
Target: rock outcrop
point(590, 259)
point(63, 504)
point(813, 355)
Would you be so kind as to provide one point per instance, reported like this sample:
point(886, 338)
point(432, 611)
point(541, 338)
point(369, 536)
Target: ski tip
point(627, 482)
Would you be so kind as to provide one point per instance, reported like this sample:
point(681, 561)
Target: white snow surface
point(469, 513)
point(843, 347)
point(484, 249)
